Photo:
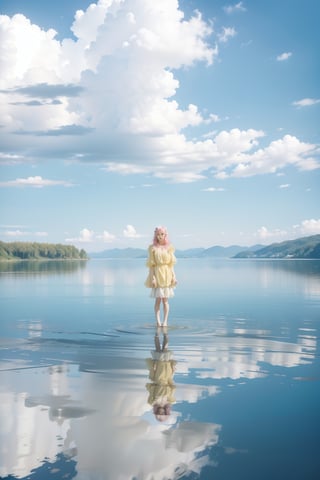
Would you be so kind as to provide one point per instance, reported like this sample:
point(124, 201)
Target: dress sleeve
point(173, 259)
point(150, 261)
point(150, 365)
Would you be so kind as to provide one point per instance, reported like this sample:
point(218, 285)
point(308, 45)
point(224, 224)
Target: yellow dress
point(160, 262)
point(162, 387)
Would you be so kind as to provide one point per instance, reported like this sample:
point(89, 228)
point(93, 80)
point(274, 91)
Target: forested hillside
point(306, 247)
point(38, 251)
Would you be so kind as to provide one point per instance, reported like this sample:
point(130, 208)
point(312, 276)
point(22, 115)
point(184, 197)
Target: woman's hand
point(154, 282)
point(173, 281)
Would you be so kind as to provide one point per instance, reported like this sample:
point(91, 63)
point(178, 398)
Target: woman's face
point(161, 236)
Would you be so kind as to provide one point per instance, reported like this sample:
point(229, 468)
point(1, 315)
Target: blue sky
point(120, 115)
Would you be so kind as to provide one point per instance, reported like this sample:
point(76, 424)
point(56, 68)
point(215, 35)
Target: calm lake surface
point(80, 373)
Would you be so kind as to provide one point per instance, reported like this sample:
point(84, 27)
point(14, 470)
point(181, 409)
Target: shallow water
point(240, 374)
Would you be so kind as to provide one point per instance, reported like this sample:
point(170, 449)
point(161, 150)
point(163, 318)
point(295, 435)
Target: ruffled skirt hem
point(162, 356)
point(162, 292)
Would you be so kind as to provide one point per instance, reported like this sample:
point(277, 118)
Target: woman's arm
point(151, 265)
point(174, 280)
point(153, 277)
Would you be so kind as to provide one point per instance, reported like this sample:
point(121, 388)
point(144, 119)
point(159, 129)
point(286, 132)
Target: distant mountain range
point(306, 247)
point(217, 252)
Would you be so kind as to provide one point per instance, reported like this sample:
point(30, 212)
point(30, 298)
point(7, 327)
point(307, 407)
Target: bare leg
point(165, 311)
point(157, 341)
point(157, 311)
point(165, 340)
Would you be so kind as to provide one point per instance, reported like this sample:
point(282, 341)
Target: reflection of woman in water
point(161, 370)
point(161, 278)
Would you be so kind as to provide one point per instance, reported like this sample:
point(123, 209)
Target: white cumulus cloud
point(309, 227)
point(237, 7)
point(86, 236)
point(305, 228)
point(264, 233)
point(21, 233)
point(306, 102)
point(284, 56)
point(287, 151)
point(213, 189)
point(108, 237)
point(15, 233)
point(10, 159)
point(227, 32)
point(108, 97)
point(130, 232)
point(37, 182)
point(89, 236)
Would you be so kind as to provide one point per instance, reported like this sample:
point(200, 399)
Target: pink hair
point(160, 230)
point(161, 417)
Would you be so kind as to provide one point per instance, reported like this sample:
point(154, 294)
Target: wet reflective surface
point(90, 389)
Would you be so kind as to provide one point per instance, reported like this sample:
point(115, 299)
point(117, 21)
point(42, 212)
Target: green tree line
point(38, 251)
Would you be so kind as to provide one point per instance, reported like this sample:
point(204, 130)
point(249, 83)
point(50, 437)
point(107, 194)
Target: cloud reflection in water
point(99, 409)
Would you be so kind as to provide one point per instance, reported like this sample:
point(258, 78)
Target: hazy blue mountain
point(306, 247)
point(190, 253)
point(120, 253)
point(216, 251)
point(226, 252)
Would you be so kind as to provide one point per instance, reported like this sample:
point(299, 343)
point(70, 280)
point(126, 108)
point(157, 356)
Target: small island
point(40, 251)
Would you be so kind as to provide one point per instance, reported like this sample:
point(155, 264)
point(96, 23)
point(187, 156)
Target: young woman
point(161, 278)
point(161, 370)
